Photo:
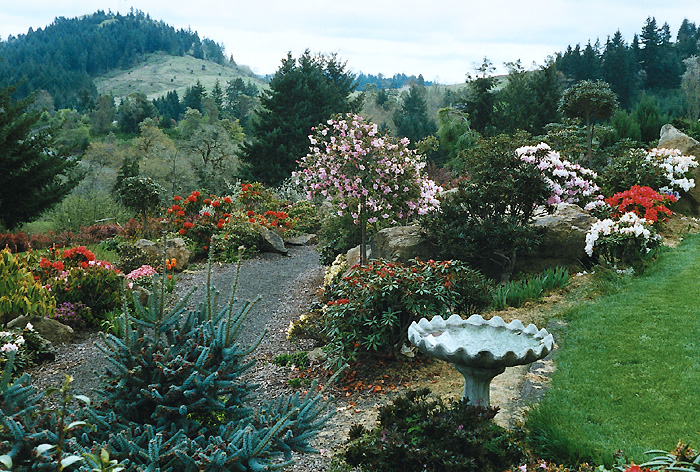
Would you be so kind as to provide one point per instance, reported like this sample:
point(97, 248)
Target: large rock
point(672, 138)
point(401, 243)
point(563, 241)
point(176, 248)
point(301, 239)
point(353, 255)
point(273, 241)
point(53, 331)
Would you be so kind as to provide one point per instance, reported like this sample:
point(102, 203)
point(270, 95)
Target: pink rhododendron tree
point(372, 177)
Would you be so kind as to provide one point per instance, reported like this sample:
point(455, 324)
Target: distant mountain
point(70, 57)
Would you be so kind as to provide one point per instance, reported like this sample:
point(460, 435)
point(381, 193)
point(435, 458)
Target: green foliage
point(683, 458)
point(485, 222)
point(30, 348)
point(98, 287)
point(194, 415)
point(590, 101)
point(516, 293)
point(34, 177)
point(631, 168)
point(141, 194)
point(417, 433)
point(299, 359)
point(83, 209)
point(369, 310)
point(649, 118)
point(337, 235)
point(20, 294)
point(303, 93)
point(411, 119)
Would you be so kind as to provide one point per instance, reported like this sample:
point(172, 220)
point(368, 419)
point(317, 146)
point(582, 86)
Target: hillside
point(160, 73)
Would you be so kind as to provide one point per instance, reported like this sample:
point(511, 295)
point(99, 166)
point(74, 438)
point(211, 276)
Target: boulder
point(353, 255)
point(53, 331)
point(273, 241)
point(301, 239)
point(401, 243)
point(672, 138)
point(563, 241)
point(176, 248)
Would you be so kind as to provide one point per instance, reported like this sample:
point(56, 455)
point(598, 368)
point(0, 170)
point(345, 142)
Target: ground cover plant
point(627, 372)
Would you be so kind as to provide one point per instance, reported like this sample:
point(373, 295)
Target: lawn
point(628, 368)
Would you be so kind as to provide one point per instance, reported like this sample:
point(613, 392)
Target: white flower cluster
point(570, 183)
point(332, 273)
point(676, 167)
point(630, 224)
point(11, 341)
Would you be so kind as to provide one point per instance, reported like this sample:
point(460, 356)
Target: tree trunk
point(363, 231)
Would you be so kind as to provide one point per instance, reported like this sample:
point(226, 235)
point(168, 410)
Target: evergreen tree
point(545, 86)
point(217, 95)
point(302, 94)
point(194, 97)
point(687, 39)
point(481, 98)
point(411, 119)
point(33, 177)
point(617, 69)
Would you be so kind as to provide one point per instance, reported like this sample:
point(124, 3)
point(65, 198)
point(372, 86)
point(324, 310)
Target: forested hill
point(66, 56)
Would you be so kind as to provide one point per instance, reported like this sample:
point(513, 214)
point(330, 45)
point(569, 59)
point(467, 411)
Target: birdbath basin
point(480, 349)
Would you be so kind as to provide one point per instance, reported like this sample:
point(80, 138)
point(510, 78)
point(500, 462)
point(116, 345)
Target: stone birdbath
point(479, 349)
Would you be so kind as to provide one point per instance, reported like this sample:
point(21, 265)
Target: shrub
point(20, 293)
point(569, 183)
point(486, 221)
point(644, 202)
point(26, 345)
point(415, 433)
point(75, 315)
point(370, 308)
point(628, 241)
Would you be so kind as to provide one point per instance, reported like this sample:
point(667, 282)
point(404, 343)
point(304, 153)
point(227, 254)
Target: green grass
point(628, 370)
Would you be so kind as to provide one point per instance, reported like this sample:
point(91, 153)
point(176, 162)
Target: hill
point(160, 73)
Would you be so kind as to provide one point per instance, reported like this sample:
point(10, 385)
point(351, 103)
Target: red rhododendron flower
point(182, 231)
point(44, 263)
point(177, 198)
point(196, 193)
point(58, 265)
point(216, 203)
point(188, 225)
point(180, 213)
point(227, 200)
point(207, 201)
point(251, 213)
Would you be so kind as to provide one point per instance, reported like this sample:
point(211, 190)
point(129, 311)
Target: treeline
point(64, 57)
point(368, 81)
point(651, 62)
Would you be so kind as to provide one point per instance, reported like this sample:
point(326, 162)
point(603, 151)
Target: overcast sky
point(443, 39)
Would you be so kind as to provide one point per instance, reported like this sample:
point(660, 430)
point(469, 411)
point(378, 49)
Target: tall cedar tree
point(33, 177)
point(412, 119)
point(302, 94)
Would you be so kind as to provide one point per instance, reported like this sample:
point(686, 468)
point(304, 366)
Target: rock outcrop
point(563, 240)
point(176, 249)
point(53, 331)
point(401, 243)
point(672, 138)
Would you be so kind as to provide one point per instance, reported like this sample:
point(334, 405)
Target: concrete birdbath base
point(479, 349)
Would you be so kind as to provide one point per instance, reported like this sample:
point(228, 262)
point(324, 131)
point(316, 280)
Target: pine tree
point(411, 119)
point(303, 93)
point(33, 177)
point(617, 69)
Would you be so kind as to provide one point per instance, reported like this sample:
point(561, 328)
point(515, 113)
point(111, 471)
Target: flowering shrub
point(570, 183)
point(74, 275)
point(676, 168)
point(372, 178)
point(142, 276)
point(642, 201)
point(75, 315)
point(29, 347)
point(370, 308)
point(626, 240)
point(20, 292)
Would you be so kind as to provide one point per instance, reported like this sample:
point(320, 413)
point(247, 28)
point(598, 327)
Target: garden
point(176, 391)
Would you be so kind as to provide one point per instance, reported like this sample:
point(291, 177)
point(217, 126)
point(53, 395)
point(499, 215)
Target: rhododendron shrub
point(369, 309)
point(75, 276)
point(675, 166)
point(375, 179)
point(570, 183)
point(642, 201)
point(628, 240)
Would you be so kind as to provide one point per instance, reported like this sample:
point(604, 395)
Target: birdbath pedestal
point(479, 349)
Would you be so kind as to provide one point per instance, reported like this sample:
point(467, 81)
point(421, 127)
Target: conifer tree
point(303, 93)
point(411, 119)
point(33, 177)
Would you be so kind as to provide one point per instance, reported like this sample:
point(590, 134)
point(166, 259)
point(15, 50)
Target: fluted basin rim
point(478, 343)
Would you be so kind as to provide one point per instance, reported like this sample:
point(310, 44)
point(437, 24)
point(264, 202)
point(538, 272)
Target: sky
point(444, 40)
